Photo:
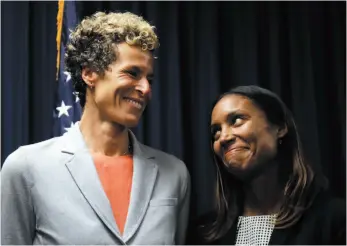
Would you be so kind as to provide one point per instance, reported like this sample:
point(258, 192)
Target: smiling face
point(242, 136)
point(121, 95)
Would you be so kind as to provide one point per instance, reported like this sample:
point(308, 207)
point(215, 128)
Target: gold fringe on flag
point(60, 17)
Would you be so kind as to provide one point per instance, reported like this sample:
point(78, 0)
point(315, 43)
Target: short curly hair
point(91, 44)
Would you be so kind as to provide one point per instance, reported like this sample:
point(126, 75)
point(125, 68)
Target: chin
point(127, 120)
point(240, 170)
point(131, 122)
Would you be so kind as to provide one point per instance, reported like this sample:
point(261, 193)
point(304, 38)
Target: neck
point(102, 136)
point(263, 194)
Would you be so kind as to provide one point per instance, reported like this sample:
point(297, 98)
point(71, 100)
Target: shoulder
point(167, 160)
point(19, 161)
point(172, 170)
point(328, 215)
point(334, 211)
point(333, 207)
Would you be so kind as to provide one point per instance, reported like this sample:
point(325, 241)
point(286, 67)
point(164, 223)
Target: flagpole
point(60, 16)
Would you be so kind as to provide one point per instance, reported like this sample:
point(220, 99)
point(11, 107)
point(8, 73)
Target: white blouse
point(255, 230)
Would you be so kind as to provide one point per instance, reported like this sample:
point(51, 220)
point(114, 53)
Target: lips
point(228, 149)
point(138, 103)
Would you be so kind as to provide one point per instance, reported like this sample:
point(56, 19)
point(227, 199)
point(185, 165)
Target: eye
point(215, 132)
point(150, 80)
point(236, 120)
point(132, 73)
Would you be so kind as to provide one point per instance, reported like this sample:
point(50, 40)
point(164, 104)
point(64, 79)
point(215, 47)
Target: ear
point(282, 131)
point(89, 77)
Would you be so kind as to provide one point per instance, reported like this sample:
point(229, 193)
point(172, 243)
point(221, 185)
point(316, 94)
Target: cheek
point(216, 148)
point(122, 82)
point(104, 95)
point(256, 135)
point(247, 133)
point(271, 146)
point(267, 146)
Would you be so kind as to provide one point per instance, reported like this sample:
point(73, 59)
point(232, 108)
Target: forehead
point(131, 55)
point(234, 103)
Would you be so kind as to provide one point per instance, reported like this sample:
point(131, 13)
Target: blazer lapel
point(280, 236)
point(83, 172)
point(144, 176)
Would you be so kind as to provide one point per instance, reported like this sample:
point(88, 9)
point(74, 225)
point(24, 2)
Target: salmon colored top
point(115, 174)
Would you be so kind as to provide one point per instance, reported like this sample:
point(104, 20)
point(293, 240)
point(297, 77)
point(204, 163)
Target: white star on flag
point(68, 128)
point(63, 109)
point(68, 76)
point(76, 95)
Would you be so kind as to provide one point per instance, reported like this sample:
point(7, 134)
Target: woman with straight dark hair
point(266, 192)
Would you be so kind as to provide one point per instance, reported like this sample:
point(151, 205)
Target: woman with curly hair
point(266, 192)
point(97, 184)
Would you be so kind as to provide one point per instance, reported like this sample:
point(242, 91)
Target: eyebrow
point(229, 115)
point(138, 69)
point(213, 128)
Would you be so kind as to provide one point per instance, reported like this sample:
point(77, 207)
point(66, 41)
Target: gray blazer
point(51, 194)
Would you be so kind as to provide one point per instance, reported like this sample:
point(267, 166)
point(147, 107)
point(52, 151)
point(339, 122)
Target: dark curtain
point(296, 49)
point(28, 55)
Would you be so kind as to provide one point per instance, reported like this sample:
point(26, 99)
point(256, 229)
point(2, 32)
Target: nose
point(144, 87)
point(226, 137)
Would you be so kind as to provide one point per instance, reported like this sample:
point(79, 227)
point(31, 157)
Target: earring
point(91, 86)
point(280, 141)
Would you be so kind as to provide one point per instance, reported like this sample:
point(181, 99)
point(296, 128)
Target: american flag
point(67, 107)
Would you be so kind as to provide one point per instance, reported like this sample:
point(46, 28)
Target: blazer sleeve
point(17, 213)
point(183, 209)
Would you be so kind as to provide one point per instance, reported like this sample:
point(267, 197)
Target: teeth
point(136, 104)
